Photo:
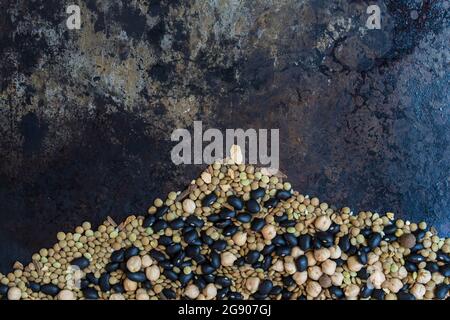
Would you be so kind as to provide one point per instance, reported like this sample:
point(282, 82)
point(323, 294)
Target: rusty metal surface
point(86, 115)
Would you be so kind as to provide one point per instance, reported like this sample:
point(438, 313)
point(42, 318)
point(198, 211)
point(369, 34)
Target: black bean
point(118, 255)
point(178, 259)
point(432, 266)
point(185, 263)
point(235, 202)
point(192, 250)
point(281, 218)
point(336, 292)
point(291, 239)
point(362, 256)
point(326, 239)
point(222, 293)
point(352, 251)
point(118, 288)
point(268, 249)
point(166, 264)
point(366, 232)
point(344, 243)
point(199, 258)
point(420, 234)
point(244, 217)
point(271, 203)
point(441, 256)
point(283, 195)
point(169, 274)
point(266, 263)
point(410, 267)
point(223, 281)
point(131, 252)
point(378, 294)
point(213, 218)
point(283, 251)
point(4, 289)
point(415, 258)
point(363, 274)
point(276, 290)
point(149, 221)
point(215, 259)
point(209, 278)
point(104, 282)
point(222, 224)
point(226, 213)
point(81, 262)
point(265, 287)
point(146, 285)
point(84, 284)
point(92, 278)
point(288, 223)
point(112, 266)
point(169, 294)
point(366, 291)
point(257, 224)
point(339, 262)
point(417, 247)
point(35, 287)
point(165, 240)
point(160, 225)
point(441, 291)
point(157, 255)
point(207, 268)
point(219, 245)
point(302, 297)
point(252, 256)
point(230, 230)
point(405, 296)
point(405, 287)
point(161, 211)
point(334, 228)
point(209, 199)
point(176, 224)
point(50, 289)
point(239, 262)
point(206, 239)
point(185, 278)
point(90, 294)
point(279, 240)
point(390, 229)
point(195, 222)
point(286, 294)
point(316, 244)
point(305, 242)
point(200, 283)
point(390, 238)
point(445, 270)
point(374, 240)
point(173, 249)
point(138, 276)
point(235, 296)
point(253, 206)
point(288, 281)
point(301, 263)
point(258, 193)
point(259, 296)
point(191, 237)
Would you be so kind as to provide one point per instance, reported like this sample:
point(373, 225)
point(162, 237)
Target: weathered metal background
point(86, 115)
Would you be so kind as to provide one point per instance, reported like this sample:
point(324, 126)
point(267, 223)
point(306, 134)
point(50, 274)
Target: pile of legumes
point(238, 232)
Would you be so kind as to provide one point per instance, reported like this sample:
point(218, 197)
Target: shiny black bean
point(50, 289)
point(362, 256)
point(4, 289)
point(230, 230)
point(90, 294)
point(415, 258)
point(149, 221)
point(206, 239)
point(366, 291)
point(334, 228)
point(420, 234)
point(279, 240)
point(161, 211)
point(200, 283)
point(138, 276)
point(176, 224)
point(305, 242)
point(405, 296)
point(441, 256)
point(291, 240)
point(268, 249)
point(35, 287)
point(157, 255)
point(118, 288)
point(258, 193)
point(207, 269)
point(363, 274)
point(178, 259)
point(92, 278)
point(265, 287)
point(316, 244)
point(252, 256)
point(84, 284)
point(199, 258)
point(281, 218)
point(390, 229)
point(244, 217)
point(441, 291)
point(209, 278)
point(344, 243)
point(195, 222)
point(169, 294)
point(257, 224)
point(185, 278)
point(223, 281)
point(288, 223)
point(81, 262)
point(171, 275)
point(410, 267)
point(259, 296)
point(160, 225)
point(352, 251)
point(222, 293)
point(118, 255)
point(235, 202)
point(445, 270)
point(131, 252)
point(222, 224)
point(374, 240)
point(253, 206)
point(283, 195)
point(239, 262)
point(339, 262)
point(173, 249)
point(219, 245)
point(103, 282)
point(209, 199)
point(366, 232)
point(301, 263)
point(185, 263)
point(235, 296)
point(417, 247)
point(266, 263)
point(192, 251)
point(432, 266)
point(378, 294)
point(271, 203)
point(288, 281)
point(191, 237)
point(326, 239)
point(302, 297)
point(390, 238)
point(276, 290)
point(213, 218)
point(112, 266)
point(146, 285)
point(226, 213)
point(166, 264)
point(283, 251)
point(215, 259)
point(286, 294)
point(165, 240)
point(336, 292)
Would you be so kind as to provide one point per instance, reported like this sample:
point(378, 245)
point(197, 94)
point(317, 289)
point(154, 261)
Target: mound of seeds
point(238, 232)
